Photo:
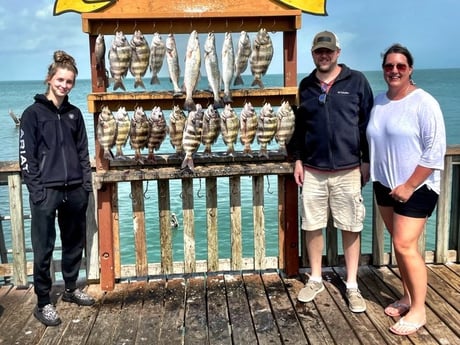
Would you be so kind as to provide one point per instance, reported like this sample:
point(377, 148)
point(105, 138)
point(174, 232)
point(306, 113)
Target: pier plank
point(172, 327)
point(218, 323)
point(238, 309)
point(196, 330)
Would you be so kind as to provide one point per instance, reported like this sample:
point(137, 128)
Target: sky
point(30, 34)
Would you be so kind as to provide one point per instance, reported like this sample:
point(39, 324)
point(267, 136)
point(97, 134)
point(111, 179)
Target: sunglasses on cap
point(401, 67)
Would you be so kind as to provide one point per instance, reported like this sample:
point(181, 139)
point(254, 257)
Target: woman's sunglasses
point(401, 67)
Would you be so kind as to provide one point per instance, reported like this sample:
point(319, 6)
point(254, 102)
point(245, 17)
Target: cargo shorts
point(337, 193)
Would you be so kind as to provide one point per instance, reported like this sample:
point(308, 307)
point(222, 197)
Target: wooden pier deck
point(235, 308)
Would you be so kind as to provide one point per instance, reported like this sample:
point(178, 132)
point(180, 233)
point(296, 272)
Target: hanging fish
point(177, 121)
point(211, 129)
point(285, 128)
point(122, 134)
point(139, 133)
point(192, 136)
point(119, 59)
point(106, 128)
point(99, 51)
point(248, 127)
point(229, 128)
point(228, 65)
point(211, 64)
point(172, 60)
point(140, 57)
point(157, 133)
point(266, 128)
point(261, 56)
point(242, 57)
point(157, 56)
point(192, 69)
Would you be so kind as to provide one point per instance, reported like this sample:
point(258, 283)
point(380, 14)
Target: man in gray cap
point(332, 160)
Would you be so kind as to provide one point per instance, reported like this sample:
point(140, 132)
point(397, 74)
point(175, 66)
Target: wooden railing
point(103, 252)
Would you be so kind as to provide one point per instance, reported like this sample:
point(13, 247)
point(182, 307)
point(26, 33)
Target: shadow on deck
point(235, 308)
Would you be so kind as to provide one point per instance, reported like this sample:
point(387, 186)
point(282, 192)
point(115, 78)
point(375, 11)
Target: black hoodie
point(53, 147)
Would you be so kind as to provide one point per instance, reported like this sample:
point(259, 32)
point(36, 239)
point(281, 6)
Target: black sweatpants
point(70, 205)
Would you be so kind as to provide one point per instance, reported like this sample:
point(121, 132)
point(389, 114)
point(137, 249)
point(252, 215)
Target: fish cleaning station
point(247, 296)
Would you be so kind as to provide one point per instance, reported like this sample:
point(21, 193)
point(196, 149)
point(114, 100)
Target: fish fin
point(118, 84)
point(154, 80)
point(139, 83)
point(238, 80)
point(187, 163)
point(263, 153)
point(257, 82)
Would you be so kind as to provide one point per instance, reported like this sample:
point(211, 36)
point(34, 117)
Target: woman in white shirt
point(407, 144)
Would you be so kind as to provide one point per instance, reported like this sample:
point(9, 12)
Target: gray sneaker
point(309, 291)
point(356, 302)
point(78, 297)
point(47, 315)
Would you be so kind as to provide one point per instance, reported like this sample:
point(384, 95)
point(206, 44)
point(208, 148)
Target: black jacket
point(53, 147)
point(332, 136)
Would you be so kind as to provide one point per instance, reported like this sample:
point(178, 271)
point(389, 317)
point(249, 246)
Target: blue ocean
point(17, 95)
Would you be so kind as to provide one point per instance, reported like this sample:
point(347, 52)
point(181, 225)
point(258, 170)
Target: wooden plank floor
point(236, 309)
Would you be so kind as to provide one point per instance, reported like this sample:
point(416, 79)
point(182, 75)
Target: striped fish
point(261, 56)
point(242, 57)
point(157, 56)
point(248, 127)
point(139, 133)
point(230, 125)
point(192, 69)
point(177, 121)
point(122, 134)
point(266, 128)
point(119, 59)
point(140, 57)
point(211, 129)
point(192, 136)
point(106, 128)
point(286, 124)
point(157, 133)
point(228, 65)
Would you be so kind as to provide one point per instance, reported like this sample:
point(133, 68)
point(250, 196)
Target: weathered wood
point(92, 240)
point(172, 328)
point(189, 228)
point(165, 227)
point(378, 238)
point(140, 239)
point(116, 232)
point(196, 330)
point(289, 225)
point(443, 211)
point(218, 323)
point(17, 230)
point(259, 221)
point(106, 252)
point(235, 222)
point(211, 223)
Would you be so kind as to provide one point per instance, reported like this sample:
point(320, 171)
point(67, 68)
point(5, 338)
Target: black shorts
point(420, 205)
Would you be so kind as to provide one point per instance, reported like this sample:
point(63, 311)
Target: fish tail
point(238, 80)
point(139, 83)
point(108, 155)
point(187, 163)
point(154, 80)
point(118, 84)
point(258, 82)
point(228, 98)
point(263, 152)
point(282, 150)
point(189, 104)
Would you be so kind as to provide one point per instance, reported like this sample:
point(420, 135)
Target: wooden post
point(289, 195)
point(106, 237)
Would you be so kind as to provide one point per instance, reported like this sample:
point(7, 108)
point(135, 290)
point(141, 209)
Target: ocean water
point(17, 95)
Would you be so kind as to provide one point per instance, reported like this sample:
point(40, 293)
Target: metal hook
point(170, 26)
point(98, 31)
point(269, 191)
point(154, 26)
point(210, 22)
point(198, 193)
point(135, 25)
point(260, 23)
point(146, 190)
point(242, 23)
point(116, 28)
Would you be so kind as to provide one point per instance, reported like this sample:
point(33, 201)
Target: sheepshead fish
point(122, 133)
point(158, 131)
point(140, 57)
point(119, 59)
point(261, 56)
point(106, 128)
point(248, 127)
point(177, 121)
point(99, 51)
point(266, 128)
point(139, 133)
point(192, 69)
point(229, 125)
point(286, 124)
point(211, 129)
point(172, 60)
point(157, 56)
point(192, 136)
point(212, 68)
point(228, 65)
point(242, 57)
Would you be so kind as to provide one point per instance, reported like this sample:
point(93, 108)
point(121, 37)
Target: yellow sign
point(309, 6)
point(80, 6)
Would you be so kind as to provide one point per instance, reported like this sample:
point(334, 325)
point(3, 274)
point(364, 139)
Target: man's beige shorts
point(338, 193)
